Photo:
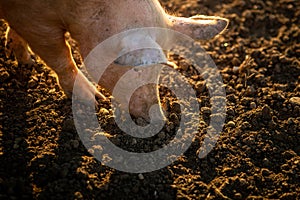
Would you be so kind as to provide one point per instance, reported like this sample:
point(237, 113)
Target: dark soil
point(256, 157)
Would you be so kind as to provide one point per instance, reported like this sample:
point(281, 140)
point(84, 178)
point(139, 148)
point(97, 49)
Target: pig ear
point(199, 27)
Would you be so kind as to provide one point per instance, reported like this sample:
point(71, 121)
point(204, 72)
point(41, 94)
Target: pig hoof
point(91, 96)
point(100, 96)
point(90, 93)
point(83, 89)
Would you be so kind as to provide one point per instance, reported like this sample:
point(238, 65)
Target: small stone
point(134, 141)
point(230, 112)
point(32, 83)
point(290, 121)
point(295, 100)
point(253, 105)
point(231, 124)
point(266, 112)
point(245, 125)
point(243, 182)
point(206, 110)
point(265, 172)
point(250, 91)
point(238, 196)
point(235, 69)
point(184, 66)
point(266, 162)
point(78, 195)
point(104, 111)
point(4, 76)
point(173, 118)
point(200, 87)
point(53, 130)
point(239, 86)
point(141, 176)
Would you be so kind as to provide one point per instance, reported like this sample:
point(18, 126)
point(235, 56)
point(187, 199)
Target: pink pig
point(43, 25)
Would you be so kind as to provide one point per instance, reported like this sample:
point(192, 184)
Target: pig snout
point(135, 88)
point(142, 100)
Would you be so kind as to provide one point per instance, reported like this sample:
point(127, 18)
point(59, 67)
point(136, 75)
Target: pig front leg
point(50, 44)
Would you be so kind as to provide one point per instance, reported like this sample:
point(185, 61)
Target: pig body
point(43, 24)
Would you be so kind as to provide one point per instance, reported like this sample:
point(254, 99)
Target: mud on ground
point(256, 157)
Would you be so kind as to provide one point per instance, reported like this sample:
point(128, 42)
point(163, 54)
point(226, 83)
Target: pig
point(43, 26)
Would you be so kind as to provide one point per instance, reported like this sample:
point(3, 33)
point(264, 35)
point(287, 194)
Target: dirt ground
point(256, 157)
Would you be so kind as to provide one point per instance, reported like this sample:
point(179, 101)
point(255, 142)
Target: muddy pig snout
point(145, 103)
point(136, 90)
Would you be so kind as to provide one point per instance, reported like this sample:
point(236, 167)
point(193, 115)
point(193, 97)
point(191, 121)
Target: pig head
point(144, 64)
point(43, 24)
